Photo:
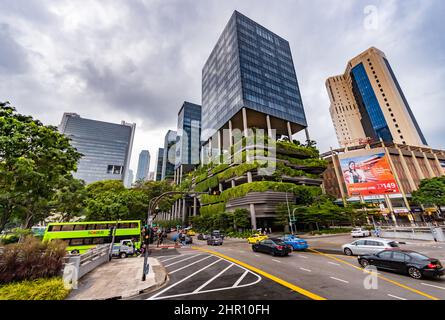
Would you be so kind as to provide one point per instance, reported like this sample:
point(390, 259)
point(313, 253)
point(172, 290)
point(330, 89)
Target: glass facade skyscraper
point(250, 67)
point(143, 165)
point(106, 147)
point(168, 164)
point(368, 104)
point(188, 135)
point(159, 163)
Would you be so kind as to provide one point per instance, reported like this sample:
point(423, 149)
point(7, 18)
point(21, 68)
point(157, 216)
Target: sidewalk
point(119, 279)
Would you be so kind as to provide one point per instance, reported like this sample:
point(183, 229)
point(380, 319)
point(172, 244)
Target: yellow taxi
point(256, 238)
point(191, 233)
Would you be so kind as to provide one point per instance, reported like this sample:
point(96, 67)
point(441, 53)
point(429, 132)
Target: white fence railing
point(78, 265)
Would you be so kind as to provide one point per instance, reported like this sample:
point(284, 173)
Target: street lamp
point(288, 211)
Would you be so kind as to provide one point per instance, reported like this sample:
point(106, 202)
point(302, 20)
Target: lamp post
point(288, 211)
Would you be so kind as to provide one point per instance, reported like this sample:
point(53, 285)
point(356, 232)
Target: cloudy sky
point(138, 60)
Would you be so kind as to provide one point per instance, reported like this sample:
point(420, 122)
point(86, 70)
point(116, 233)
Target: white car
point(368, 246)
point(360, 232)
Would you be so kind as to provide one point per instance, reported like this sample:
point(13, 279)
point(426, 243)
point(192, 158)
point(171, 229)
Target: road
point(234, 271)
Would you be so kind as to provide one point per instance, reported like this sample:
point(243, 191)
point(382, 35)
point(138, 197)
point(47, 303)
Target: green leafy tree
point(241, 219)
point(33, 158)
point(431, 192)
point(70, 199)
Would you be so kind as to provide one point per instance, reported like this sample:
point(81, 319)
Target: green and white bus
point(82, 236)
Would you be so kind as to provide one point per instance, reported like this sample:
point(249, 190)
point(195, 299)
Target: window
point(98, 240)
point(385, 255)
point(87, 241)
point(55, 228)
point(124, 225)
point(398, 256)
point(91, 227)
point(76, 242)
point(134, 225)
point(360, 243)
point(401, 137)
point(373, 243)
point(80, 227)
point(69, 227)
point(101, 226)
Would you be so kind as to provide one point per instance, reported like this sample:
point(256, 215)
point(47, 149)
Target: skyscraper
point(130, 178)
point(143, 165)
point(159, 163)
point(168, 165)
point(249, 81)
point(106, 147)
point(367, 103)
point(188, 140)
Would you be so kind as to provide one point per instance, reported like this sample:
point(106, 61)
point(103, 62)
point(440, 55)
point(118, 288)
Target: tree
point(33, 158)
point(241, 219)
point(431, 192)
point(70, 199)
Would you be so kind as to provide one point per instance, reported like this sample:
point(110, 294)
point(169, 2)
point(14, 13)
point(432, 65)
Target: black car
point(414, 264)
point(217, 234)
point(273, 246)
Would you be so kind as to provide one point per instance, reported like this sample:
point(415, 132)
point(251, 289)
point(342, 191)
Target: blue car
point(295, 242)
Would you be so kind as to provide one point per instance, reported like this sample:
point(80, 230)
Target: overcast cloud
point(138, 60)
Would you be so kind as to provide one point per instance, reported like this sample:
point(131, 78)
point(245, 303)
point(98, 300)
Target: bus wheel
point(75, 251)
point(123, 255)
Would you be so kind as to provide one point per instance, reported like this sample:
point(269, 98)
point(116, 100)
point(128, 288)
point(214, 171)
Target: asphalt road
point(335, 277)
point(234, 271)
point(195, 275)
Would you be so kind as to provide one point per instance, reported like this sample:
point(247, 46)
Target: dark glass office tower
point(168, 165)
point(188, 138)
point(106, 147)
point(250, 67)
point(159, 163)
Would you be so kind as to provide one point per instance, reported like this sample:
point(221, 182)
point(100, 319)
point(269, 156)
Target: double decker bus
point(83, 236)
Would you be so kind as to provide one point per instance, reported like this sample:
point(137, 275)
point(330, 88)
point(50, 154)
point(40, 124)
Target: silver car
point(368, 246)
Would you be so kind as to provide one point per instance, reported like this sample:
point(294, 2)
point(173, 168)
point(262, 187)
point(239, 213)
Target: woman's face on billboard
point(352, 165)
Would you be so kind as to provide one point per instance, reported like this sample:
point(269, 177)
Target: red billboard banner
point(368, 174)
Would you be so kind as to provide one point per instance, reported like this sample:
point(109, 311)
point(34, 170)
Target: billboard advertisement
point(368, 174)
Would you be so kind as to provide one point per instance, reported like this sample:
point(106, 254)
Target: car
point(203, 236)
point(256, 238)
point(123, 249)
point(360, 232)
point(191, 233)
point(368, 246)
point(295, 242)
point(215, 241)
point(273, 246)
point(217, 233)
point(415, 264)
point(188, 240)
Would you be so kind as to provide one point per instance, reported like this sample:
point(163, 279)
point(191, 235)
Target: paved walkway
point(120, 278)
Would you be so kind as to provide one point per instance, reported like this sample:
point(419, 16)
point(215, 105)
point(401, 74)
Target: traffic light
point(146, 235)
point(214, 193)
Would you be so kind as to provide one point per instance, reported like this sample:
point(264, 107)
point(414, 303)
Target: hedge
point(210, 183)
point(213, 209)
point(40, 289)
point(258, 186)
point(292, 148)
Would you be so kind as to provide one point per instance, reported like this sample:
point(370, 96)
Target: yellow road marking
point(381, 277)
point(265, 274)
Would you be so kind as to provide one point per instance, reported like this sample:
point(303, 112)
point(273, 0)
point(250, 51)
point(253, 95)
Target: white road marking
point(257, 255)
point(171, 264)
point(333, 263)
point(189, 265)
point(305, 269)
point(240, 278)
point(302, 256)
point(183, 279)
point(175, 257)
point(276, 260)
point(339, 279)
point(216, 276)
point(430, 285)
point(396, 297)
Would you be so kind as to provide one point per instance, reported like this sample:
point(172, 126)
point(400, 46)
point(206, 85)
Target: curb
point(323, 236)
point(152, 288)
